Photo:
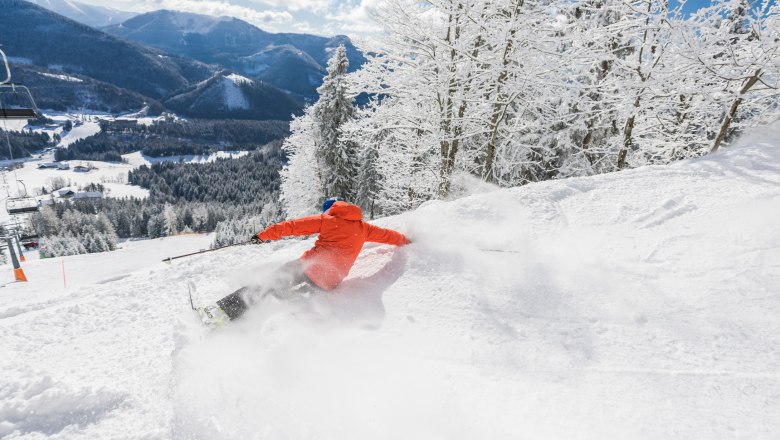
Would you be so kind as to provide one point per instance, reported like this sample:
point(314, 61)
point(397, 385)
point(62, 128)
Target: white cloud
point(207, 7)
point(356, 18)
point(319, 17)
point(299, 5)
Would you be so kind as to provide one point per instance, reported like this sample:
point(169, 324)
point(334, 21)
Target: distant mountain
point(71, 66)
point(95, 16)
point(293, 62)
point(57, 43)
point(286, 67)
point(203, 37)
point(228, 95)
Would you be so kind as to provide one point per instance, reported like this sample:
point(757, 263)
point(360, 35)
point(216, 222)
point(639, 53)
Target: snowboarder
point(342, 233)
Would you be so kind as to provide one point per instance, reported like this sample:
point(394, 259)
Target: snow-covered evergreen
point(323, 162)
point(76, 233)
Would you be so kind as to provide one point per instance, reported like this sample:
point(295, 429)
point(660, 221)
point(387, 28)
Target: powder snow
point(640, 304)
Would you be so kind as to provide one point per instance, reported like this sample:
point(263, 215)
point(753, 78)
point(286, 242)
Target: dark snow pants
point(287, 281)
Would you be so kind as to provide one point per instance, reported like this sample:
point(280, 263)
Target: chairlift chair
point(28, 236)
point(21, 205)
point(16, 101)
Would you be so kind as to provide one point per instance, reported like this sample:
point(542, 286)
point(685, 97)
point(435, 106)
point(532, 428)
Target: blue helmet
point(328, 203)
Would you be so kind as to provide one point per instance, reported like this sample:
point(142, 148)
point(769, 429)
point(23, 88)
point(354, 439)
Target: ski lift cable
point(10, 150)
point(5, 116)
point(11, 155)
point(7, 68)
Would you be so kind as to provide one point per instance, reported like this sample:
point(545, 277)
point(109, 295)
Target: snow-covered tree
point(45, 222)
point(200, 216)
point(302, 187)
point(236, 230)
point(154, 227)
point(336, 154)
point(731, 53)
point(516, 91)
point(322, 162)
point(270, 214)
point(61, 245)
point(458, 73)
point(400, 168)
point(170, 222)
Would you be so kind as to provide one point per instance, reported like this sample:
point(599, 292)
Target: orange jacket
point(342, 234)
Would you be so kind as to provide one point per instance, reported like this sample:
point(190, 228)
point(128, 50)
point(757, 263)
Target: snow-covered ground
point(86, 129)
point(113, 176)
point(234, 96)
point(137, 159)
point(29, 179)
point(636, 305)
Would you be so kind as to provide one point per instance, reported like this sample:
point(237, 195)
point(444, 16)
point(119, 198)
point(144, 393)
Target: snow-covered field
point(82, 131)
point(137, 159)
point(636, 305)
point(113, 176)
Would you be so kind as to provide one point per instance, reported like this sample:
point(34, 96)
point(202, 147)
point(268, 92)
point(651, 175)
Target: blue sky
point(690, 5)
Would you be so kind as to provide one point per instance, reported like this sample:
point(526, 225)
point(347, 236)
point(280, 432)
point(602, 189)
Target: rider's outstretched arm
point(387, 236)
point(299, 226)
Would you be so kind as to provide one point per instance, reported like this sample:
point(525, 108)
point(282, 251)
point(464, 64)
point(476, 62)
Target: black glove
point(255, 240)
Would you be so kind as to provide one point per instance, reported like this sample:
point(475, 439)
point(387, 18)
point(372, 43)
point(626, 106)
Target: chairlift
point(16, 101)
point(22, 205)
point(28, 236)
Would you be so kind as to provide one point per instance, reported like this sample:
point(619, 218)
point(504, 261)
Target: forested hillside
point(235, 193)
point(74, 47)
point(173, 138)
point(22, 143)
point(54, 90)
point(246, 181)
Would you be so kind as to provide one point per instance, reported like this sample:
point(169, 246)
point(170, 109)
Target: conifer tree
point(323, 162)
point(334, 109)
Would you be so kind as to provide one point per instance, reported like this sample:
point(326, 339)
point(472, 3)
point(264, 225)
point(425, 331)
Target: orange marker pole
point(64, 280)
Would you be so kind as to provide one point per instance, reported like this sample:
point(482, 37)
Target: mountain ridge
point(111, 73)
point(234, 43)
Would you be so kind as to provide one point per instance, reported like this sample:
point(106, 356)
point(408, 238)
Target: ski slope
point(636, 305)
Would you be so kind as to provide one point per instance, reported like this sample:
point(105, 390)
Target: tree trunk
point(724, 127)
point(629, 128)
point(499, 107)
point(451, 126)
point(627, 140)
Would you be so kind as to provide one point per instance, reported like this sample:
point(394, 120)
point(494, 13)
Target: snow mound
point(33, 402)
